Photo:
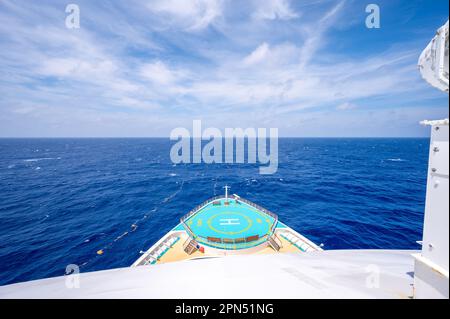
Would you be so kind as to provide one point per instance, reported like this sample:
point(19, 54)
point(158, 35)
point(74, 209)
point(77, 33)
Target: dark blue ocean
point(62, 200)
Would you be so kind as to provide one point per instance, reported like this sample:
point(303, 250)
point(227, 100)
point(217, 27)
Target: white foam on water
point(395, 160)
point(41, 159)
point(169, 198)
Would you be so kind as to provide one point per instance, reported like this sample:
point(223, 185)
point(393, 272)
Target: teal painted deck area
point(235, 221)
point(180, 227)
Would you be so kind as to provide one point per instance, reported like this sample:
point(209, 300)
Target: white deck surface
point(327, 274)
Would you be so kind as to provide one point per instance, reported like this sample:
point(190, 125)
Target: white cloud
point(276, 56)
point(193, 15)
point(158, 72)
point(315, 33)
point(247, 73)
point(77, 68)
point(275, 9)
point(258, 55)
point(346, 106)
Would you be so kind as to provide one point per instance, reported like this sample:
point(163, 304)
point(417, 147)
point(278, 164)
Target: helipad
point(230, 223)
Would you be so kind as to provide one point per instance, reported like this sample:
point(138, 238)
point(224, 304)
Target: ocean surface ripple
point(63, 200)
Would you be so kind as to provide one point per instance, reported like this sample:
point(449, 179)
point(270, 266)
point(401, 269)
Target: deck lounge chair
point(252, 238)
point(214, 239)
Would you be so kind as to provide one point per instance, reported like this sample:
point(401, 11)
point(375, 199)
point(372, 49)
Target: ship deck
point(230, 224)
point(226, 226)
point(170, 247)
point(176, 252)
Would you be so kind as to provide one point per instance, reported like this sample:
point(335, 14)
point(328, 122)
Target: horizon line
point(168, 137)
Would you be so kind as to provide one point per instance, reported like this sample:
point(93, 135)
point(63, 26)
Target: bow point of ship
point(226, 225)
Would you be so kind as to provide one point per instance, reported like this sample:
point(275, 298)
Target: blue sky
point(141, 68)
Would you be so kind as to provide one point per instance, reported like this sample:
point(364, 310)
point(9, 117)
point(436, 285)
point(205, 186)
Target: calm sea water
point(62, 200)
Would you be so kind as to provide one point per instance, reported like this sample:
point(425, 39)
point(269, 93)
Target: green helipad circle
point(231, 219)
point(233, 222)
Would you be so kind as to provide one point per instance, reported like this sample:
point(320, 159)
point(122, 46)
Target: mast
point(226, 192)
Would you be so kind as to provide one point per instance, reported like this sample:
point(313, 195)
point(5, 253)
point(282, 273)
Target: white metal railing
point(150, 255)
point(266, 211)
point(197, 208)
point(298, 240)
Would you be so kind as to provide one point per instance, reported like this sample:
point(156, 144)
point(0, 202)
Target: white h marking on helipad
point(229, 221)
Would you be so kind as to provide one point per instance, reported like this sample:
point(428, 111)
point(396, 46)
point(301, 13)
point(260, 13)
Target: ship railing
point(231, 243)
point(197, 208)
point(262, 209)
point(153, 254)
point(298, 240)
point(250, 203)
